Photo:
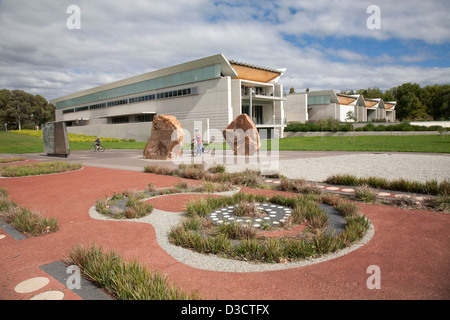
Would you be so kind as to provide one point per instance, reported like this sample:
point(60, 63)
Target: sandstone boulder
point(166, 138)
point(241, 134)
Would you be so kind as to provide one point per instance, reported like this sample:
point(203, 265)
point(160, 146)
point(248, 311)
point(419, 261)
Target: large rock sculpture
point(166, 138)
point(241, 135)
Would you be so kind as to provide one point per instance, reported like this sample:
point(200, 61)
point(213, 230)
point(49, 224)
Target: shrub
point(198, 207)
point(124, 280)
point(236, 230)
point(32, 223)
point(38, 168)
point(440, 203)
point(137, 209)
point(220, 168)
point(347, 208)
point(238, 241)
point(298, 186)
point(365, 193)
point(431, 187)
point(247, 209)
point(159, 170)
point(14, 159)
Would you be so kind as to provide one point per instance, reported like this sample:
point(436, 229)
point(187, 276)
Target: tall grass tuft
point(26, 221)
point(13, 159)
point(431, 187)
point(365, 193)
point(38, 169)
point(124, 280)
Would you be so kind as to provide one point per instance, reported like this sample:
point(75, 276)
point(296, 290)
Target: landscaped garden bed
point(245, 241)
point(40, 168)
point(28, 222)
point(132, 204)
point(125, 280)
point(11, 160)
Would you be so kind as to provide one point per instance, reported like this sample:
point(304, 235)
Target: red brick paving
point(175, 202)
point(411, 247)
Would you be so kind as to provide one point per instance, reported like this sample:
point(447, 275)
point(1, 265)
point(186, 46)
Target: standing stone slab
point(242, 135)
point(166, 138)
point(56, 142)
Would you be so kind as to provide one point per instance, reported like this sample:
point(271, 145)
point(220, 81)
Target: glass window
point(325, 99)
point(145, 118)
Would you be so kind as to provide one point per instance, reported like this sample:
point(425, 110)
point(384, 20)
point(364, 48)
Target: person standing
point(198, 142)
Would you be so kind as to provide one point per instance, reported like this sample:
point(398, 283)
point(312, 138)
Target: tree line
point(22, 110)
point(414, 102)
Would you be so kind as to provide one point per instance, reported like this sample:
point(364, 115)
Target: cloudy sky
point(337, 44)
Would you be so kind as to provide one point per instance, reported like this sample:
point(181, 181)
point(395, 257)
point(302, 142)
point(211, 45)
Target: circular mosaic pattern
point(275, 214)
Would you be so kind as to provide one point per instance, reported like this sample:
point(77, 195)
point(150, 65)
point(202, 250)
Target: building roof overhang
point(226, 70)
point(251, 72)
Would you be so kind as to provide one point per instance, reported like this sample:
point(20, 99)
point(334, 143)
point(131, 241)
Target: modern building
point(325, 104)
point(207, 93)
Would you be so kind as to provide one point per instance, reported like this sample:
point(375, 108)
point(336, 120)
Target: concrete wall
point(360, 133)
point(236, 97)
point(322, 111)
point(362, 114)
point(295, 108)
point(212, 102)
point(343, 110)
point(445, 124)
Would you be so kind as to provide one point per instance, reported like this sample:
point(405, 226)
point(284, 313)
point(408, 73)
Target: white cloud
point(120, 39)
point(412, 20)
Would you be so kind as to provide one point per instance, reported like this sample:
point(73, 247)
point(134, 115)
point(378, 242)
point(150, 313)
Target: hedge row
point(311, 126)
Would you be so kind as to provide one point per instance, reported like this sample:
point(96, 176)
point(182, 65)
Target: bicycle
point(206, 148)
point(99, 148)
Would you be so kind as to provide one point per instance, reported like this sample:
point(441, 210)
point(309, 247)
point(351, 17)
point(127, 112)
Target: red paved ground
point(411, 247)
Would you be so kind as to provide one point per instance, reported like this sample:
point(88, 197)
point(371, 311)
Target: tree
point(19, 108)
point(291, 90)
point(414, 102)
point(388, 96)
point(42, 111)
point(370, 93)
point(436, 98)
point(409, 106)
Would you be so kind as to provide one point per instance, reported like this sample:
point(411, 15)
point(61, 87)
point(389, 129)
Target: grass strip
point(125, 280)
point(11, 142)
point(9, 160)
point(38, 169)
point(431, 187)
point(24, 220)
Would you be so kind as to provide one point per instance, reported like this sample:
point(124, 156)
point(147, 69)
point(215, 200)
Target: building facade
point(207, 93)
point(327, 104)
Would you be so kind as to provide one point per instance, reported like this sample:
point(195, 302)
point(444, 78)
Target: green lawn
point(18, 143)
point(428, 143)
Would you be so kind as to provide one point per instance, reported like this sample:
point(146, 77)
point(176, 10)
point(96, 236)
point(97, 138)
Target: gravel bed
point(417, 167)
